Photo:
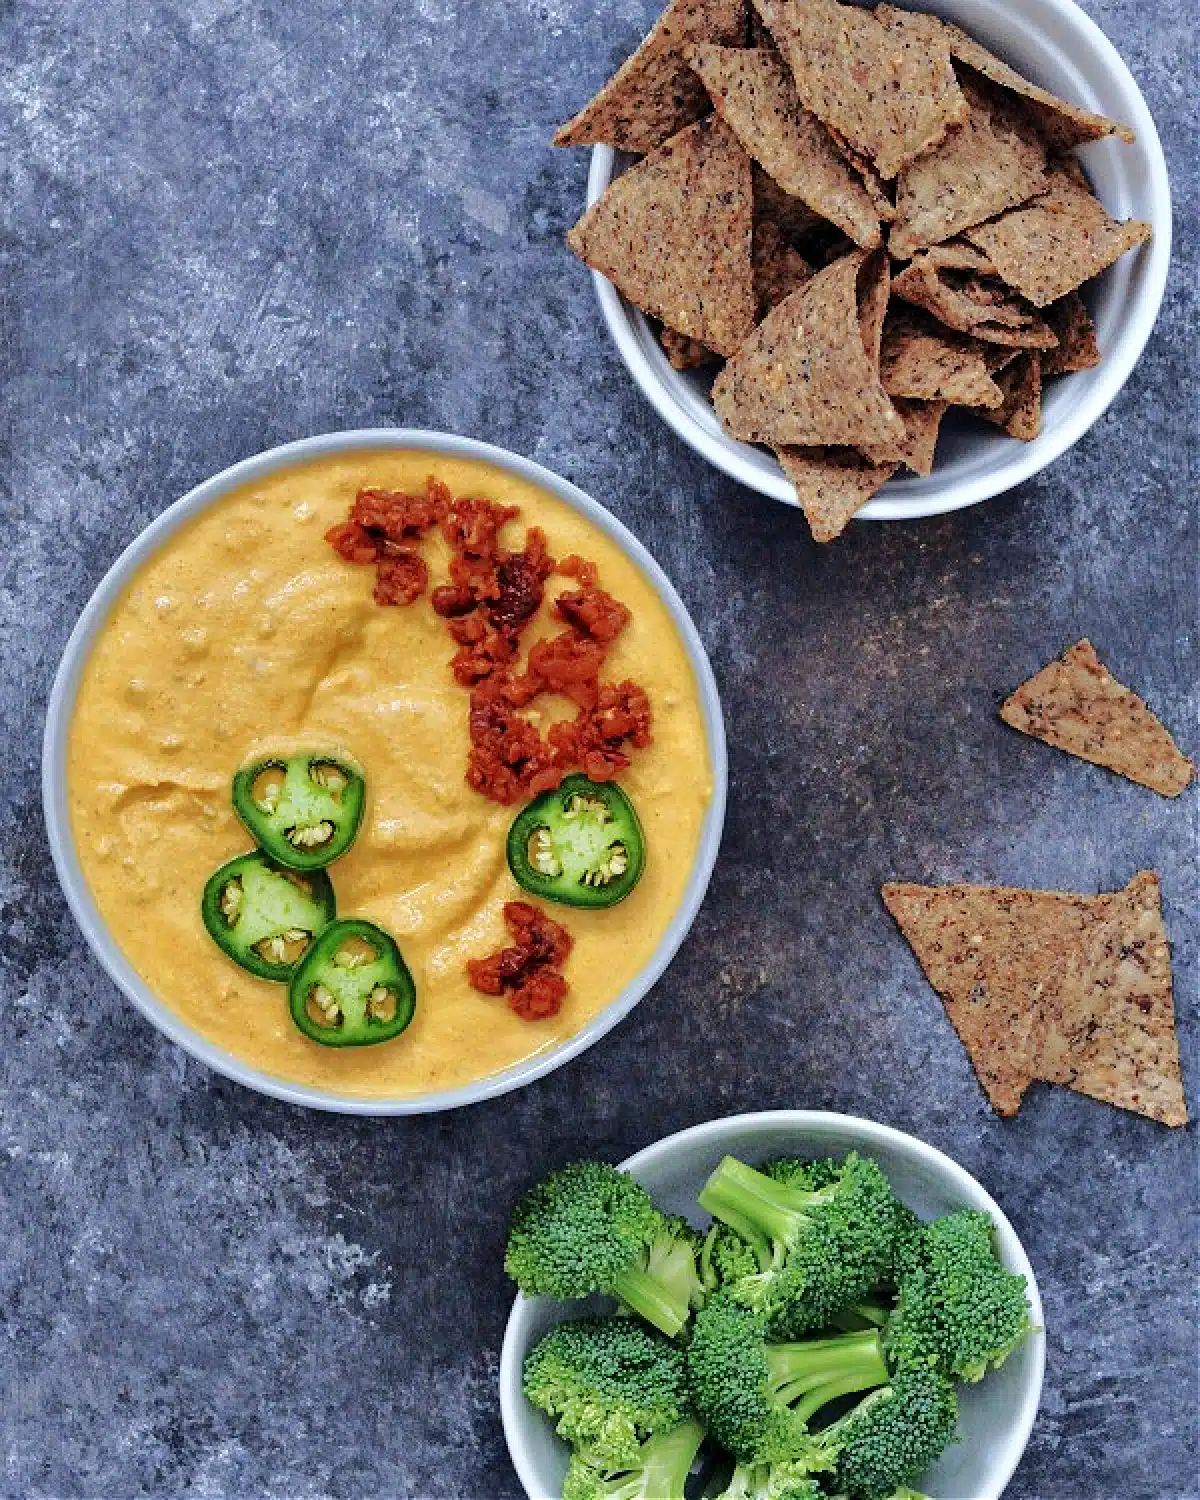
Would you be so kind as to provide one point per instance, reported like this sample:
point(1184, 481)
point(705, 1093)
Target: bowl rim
point(60, 711)
point(627, 327)
point(861, 1134)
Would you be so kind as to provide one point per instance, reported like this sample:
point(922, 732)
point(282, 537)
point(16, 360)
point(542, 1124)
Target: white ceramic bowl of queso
point(55, 782)
point(995, 1417)
point(1055, 44)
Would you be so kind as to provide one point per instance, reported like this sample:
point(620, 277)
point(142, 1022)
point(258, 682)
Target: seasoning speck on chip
point(1077, 705)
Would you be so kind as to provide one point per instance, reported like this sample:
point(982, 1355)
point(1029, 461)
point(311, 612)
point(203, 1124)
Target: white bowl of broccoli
point(864, 1346)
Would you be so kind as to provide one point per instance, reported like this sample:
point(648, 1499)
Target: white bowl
point(58, 725)
point(1056, 45)
point(996, 1417)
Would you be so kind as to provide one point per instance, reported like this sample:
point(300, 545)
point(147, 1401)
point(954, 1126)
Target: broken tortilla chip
point(1109, 1023)
point(807, 377)
point(778, 269)
point(1078, 706)
point(1054, 244)
point(673, 234)
point(1062, 125)
point(927, 362)
point(1020, 381)
point(832, 485)
point(922, 422)
point(992, 161)
point(890, 97)
point(754, 93)
point(1076, 333)
point(991, 952)
point(959, 286)
point(654, 94)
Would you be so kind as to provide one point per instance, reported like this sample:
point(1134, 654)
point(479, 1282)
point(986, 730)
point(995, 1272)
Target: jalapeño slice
point(353, 987)
point(581, 844)
point(304, 810)
point(264, 916)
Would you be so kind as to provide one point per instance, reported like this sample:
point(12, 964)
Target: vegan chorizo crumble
point(530, 971)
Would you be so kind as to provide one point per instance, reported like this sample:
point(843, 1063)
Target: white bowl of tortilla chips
point(1050, 42)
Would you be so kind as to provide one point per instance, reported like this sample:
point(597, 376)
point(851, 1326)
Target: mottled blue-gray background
point(230, 224)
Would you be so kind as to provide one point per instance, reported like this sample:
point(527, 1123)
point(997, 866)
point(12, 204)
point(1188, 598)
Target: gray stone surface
point(231, 224)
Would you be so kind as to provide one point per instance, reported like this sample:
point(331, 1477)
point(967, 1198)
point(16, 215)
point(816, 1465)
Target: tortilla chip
point(831, 484)
point(992, 161)
point(684, 353)
point(1062, 125)
point(1020, 413)
point(778, 269)
point(991, 952)
point(654, 94)
point(1054, 244)
point(1076, 333)
point(885, 209)
point(926, 362)
point(792, 217)
point(1109, 1023)
point(890, 97)
point(1077, 705)
point(959, 286)
point(673, 235)
point(806, 376)
point(754, 94)
point(873, 294)
point(922, 422)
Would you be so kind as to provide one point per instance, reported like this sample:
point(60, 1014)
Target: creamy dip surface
point(246, 634)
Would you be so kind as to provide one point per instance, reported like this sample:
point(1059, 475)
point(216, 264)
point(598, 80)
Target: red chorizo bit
point(352, 543)
point(507, 753)
point(400, 517)
point(594, 612)
point(528, 971)
point(400, 578)
point(578, 567)
point(472, 525)
point(568, 664)
point(594, 740)
point(521, 578)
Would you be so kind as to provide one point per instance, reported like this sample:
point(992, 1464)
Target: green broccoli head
point(727, 1258)
point(825, 1247)
point(758, 1397)
point(894, 1434)
point(959, 1311)
point(591, 1228)
point(782, 1481)
point(657, 1471)
point(609, 1383)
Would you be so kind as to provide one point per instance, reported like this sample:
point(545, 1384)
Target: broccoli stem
point(650, 1299)
point(666, 1460)
point(808, 1374)
point(757, 1205)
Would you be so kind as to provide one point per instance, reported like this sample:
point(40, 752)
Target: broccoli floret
point(959, 1311)
point(590, 1228)
point(893, 1434)
point(782, 1481)
point(906, 1244)
point(795, 1171)
point(726, 1258)
point(658, 1470)
point(822, 1249)
point(609, 1383)
point(757, 1397)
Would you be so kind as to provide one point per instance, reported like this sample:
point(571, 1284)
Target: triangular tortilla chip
point(1076, 333)
point(926, 362)
point(1109, 1023)
point(1054, 244)
point(1062, 125)
point(959, 286)
point(1077, 705)
point(1020, 413)
point(922, 422)
point(792, 217)
point(778, 269)
point(806, 376)
point(673, 234)
point(990, 162)
point(754, 94)
point(831, 484)
point(654, 94)
point(890, 98)
point(991, 952)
